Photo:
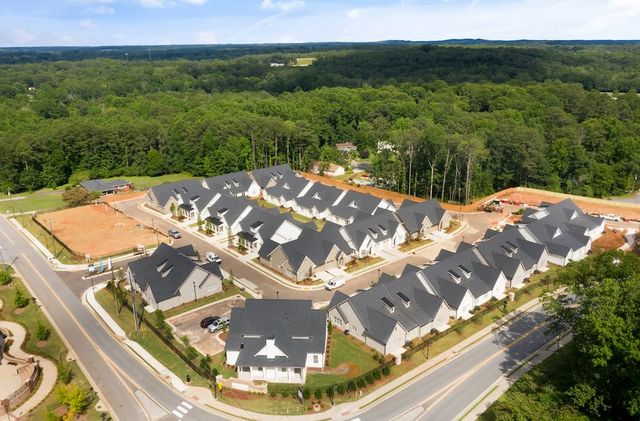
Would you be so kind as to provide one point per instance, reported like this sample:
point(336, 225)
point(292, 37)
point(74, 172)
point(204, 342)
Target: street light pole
point(194, 291)
point(153, 224)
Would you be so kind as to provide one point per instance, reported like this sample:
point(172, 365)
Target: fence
point(202, 369)
point(16, 398)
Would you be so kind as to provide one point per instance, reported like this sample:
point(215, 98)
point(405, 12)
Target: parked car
point(174, 233)
point(212, 257)
point(219, 324)
point(611, 217)
point(335, 283)
point(204, 323)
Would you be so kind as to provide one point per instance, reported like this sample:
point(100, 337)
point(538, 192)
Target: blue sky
point(118, 22)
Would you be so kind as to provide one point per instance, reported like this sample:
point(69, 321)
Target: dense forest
point(451, 127)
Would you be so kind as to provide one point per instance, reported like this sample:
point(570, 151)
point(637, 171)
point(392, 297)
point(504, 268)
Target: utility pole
point(153, 225)
point(4, 267)
point(194, 291)
point(133, 304)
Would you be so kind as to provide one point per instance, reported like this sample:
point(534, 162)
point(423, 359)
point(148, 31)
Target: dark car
point(207, 321)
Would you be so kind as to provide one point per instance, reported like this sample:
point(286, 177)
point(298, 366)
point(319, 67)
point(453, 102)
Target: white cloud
point(283, 5)
point(153, 4)
point(354, 13)
point(87, 24)
point(102, 10)
point(157, 4)
point(65, 39)
point(206, 37)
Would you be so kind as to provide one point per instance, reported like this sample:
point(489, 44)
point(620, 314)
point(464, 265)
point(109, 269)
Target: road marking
point(7, 237)
point(181, 409)
point(106, 359)
point(187, 405)
point(177, 414)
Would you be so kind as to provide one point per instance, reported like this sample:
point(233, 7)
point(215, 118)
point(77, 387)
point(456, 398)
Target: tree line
point(453, 141)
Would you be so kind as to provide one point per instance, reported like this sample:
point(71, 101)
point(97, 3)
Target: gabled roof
point(164, 192)
point(99, 185)
point(379, 227)
point(319, 196)
point(353, 203)
point(294, 326)
point(394, 301)
point(263, 176)
point(165, 270)
point(413, 214)
point(236, 183)
point(503, 247)
point(288, 187)
point(229, 208)
point(260, 222)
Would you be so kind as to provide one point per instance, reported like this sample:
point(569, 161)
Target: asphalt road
point(121, 379)
point(442, 394)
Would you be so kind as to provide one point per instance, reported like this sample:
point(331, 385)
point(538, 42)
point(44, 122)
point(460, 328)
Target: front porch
point(273, 374)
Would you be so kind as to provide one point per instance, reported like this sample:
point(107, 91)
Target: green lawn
point(45, 199)
point(149, 340)
point(228, 291)
point(53, 349)
point(58, 249)
point(454, 225)
point(146, 182)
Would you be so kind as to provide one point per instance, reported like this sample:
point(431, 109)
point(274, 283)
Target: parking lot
point(189, 324)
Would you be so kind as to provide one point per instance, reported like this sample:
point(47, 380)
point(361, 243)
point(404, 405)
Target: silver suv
point(219, 324)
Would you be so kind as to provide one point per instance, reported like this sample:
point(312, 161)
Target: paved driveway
point(189, 324)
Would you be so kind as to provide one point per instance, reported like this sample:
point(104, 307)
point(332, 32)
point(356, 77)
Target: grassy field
point(148, 340)
point(45, 199)
point(454, 225)
point(53, 349)
point(345, 350)
point(53, 245)
point(145, 182)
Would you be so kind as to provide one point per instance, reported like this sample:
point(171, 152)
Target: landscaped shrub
point(5, 275)
point(341, 389)
point(284, 394)
point(377, 375)
point(192, 353)
point(351, 386)
point(386, 370)
point(329, 326)
point(369, 379)
point(306, 394)
point(42, 332)
point(361, 383)
point(65, 373)
point(20, 299)
point(273, 394)
point(318, 394)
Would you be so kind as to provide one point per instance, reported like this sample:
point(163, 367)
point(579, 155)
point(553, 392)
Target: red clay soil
point(531, 197)
point(121, 197)
point(98, 230)
point(611, 239)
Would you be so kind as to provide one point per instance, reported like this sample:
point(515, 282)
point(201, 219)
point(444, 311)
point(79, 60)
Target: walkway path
point(49, 370)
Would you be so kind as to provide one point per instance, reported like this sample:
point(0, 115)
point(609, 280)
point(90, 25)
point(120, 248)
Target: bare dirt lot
point(189, 324)
point(98, 230)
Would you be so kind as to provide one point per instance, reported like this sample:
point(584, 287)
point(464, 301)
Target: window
point(337, 321)
point(259, 369)
point(297, 370)
point(315, 358)
point(283, 369)
point(246, 369)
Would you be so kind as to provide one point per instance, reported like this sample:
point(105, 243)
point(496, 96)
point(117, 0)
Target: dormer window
point(466, 272)
point(161, 265)
point(383, 230)
point(235, 183)
point(286, 186)
point(184, 189)
point(387, 302)
point(353, 205)
point(507, 250)
point(574, 215)
point(176, 191)
point(222, 211)
point(455, 275)
point(405, 300)
point(557, 233)
point(165, 271)
point(227, 184)
point(317, 196)
point(373, 233)
point(513, 246)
